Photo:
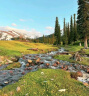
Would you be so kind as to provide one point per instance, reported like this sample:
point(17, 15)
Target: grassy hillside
point(13, 48)
point(46, 82)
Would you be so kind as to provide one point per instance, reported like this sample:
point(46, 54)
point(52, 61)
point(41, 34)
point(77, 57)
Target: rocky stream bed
point(32, 62)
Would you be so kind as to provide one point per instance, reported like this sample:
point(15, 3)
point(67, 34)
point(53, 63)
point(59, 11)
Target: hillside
point(8, 35)
point(15, 48)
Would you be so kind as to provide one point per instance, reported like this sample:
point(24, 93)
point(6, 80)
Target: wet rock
point(47, 64)
point(38, 60)
point(32, 64)
point(55, 65)
point(27, 65)
point(6, 82)
point(85, 84)
point(23, 73)
point(57, 62)
point(79, 74)
point(66, 67)
point(61, 66)
point(11, 72)
point(87, 70)
point(29, 61)
point(30, 68)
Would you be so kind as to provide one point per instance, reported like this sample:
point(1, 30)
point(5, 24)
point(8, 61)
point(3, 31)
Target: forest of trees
point(75, 30)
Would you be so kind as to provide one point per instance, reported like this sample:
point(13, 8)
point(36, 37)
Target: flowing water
point(13, 75)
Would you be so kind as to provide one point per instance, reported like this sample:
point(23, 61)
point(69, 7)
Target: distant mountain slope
point(8, 35)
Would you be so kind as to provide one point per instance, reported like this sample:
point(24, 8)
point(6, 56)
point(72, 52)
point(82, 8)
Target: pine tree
point(65, 38)
point(68, 33)
point(83, 20)
point(53, 39)
point(71, 39)
point(75, 29)
point(57, 32)
point(43, 39)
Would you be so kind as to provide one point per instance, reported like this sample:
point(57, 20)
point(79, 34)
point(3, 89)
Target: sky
point(36, 17)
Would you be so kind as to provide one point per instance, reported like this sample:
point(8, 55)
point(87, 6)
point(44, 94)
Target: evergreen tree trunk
point(85, 43)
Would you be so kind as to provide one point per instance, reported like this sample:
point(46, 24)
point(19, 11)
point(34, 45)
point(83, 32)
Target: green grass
point(73, 48)
point(85, 61)
point(86, 51)
point(15, 48)
point(33, 84)
point(14, 65)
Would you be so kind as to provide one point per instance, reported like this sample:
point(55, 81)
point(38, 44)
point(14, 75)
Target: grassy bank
point(46, 82)
point(15, 48)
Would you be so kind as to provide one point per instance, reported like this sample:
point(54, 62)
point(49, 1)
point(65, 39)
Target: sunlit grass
point(84, 60)
point(73, 48)
point(13, 48)
point(47, 84)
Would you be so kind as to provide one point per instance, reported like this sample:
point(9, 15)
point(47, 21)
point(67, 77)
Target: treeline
point(70, 34)
point(74, 30)
point(49, 39)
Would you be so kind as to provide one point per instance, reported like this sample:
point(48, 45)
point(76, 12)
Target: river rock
point(87, 70)
point(38, 60)
point(47, 64)
point(79, 74)
point(85, 84)
point(6, 82)
point(57, 62)
point(23, 73)
point(29, 61)
point(27, 65)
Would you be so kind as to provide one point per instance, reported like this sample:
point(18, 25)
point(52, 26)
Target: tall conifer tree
point(68, 33)
point(71, 31)
point(57, 32)
point(75, 29)
point(83, 20)
point(65, 38)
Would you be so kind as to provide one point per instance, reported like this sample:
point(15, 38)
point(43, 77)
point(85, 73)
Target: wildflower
point(42, 73)
point(62, 90)
point(52, 79)
point(26, 94)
